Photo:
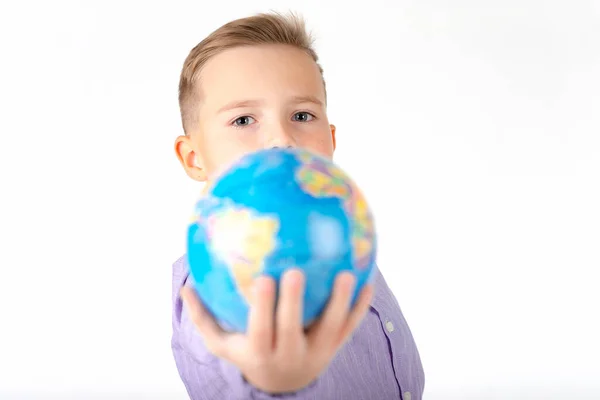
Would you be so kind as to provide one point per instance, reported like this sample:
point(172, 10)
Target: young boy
point(256, 83)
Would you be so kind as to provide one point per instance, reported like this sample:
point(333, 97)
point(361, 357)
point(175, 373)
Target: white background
point(472, 126)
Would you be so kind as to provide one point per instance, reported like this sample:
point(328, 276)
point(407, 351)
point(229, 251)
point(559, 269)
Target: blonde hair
point(260, 29)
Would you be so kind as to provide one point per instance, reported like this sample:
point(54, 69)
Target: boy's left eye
point(303, 117)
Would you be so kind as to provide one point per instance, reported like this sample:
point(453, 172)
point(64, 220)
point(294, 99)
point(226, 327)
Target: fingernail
point(260, 283)
point(294, 273)
point(348, 278)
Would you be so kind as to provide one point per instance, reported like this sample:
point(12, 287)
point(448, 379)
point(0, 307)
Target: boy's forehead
point(269, 72)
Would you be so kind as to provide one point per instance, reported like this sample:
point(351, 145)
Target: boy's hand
point(276, 355)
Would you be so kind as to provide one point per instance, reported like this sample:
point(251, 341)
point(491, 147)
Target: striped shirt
point(379, 362)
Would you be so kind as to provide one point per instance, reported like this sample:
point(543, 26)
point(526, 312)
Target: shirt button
point(389, 326)
point(406, 396)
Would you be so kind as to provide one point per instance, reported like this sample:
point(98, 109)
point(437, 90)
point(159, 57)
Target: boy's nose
point(280, 138)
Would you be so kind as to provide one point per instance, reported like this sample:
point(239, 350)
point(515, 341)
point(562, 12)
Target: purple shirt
point(380, 361)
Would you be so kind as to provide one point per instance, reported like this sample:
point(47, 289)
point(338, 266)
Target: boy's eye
point(244, 121)
point(303, 117)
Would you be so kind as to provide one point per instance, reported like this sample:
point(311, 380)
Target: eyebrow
point(307, 99)
point(255, 103)
point(240, 104)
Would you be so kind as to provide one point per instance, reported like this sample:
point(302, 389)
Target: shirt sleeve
point(205, 376)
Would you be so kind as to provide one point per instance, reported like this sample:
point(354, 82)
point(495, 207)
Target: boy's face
point(254, 98)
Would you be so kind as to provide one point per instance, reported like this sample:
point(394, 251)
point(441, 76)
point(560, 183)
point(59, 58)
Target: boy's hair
point(260, 29)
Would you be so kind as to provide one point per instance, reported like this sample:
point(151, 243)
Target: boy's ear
point(332, 127)
point(190, 160)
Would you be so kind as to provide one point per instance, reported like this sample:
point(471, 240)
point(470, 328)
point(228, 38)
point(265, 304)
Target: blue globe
point(273, 210)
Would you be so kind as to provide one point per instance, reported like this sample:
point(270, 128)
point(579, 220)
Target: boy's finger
point(335, 315)
point(261, 316)
point(290, 307)
point(211, 332)
point(357, 314)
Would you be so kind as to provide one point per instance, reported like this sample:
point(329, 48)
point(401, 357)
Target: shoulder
point(180, 266)
point(189, 351)
point(384, 297)
point(181, 262)
point(181, 272)
point(385, 303)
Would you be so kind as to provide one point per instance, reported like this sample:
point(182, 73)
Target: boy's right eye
point(243, 121)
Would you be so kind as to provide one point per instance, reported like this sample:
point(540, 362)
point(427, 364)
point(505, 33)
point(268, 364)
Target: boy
point(256, 83)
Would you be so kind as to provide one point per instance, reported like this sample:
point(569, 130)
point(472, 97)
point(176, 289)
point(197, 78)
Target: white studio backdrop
point(472, 126)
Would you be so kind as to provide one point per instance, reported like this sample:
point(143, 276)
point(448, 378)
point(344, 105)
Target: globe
point(270, 211)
